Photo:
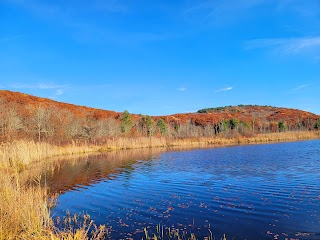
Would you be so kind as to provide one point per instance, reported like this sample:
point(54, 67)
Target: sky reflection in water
point(247, 192)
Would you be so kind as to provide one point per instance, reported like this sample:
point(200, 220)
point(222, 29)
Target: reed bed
point(23, 210)
point(17, 154)
point(162, 233)
point(25, 214)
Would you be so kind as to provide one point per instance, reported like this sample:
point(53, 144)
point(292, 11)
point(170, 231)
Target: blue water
point(245, 192)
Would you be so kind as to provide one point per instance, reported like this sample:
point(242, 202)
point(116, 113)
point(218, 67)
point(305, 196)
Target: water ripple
point(248, 192)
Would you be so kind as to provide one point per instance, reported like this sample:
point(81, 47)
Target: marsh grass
point(23, 210)
point(16, 155)
point(74, 226)
point(25, 214)
point(162, 233)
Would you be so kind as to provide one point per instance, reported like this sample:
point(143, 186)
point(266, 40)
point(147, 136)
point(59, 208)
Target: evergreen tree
point(317, 125)
point(162, 126)
point(282, 126)
point(150, 129)
point(233, 123)
point(224, 125)
point(147, 126)
point(126, 122)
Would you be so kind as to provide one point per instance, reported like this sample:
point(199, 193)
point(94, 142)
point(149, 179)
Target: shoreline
point(19, 154)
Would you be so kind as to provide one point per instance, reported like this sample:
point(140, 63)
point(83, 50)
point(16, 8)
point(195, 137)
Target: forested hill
point(24, 103)
point(26, 116)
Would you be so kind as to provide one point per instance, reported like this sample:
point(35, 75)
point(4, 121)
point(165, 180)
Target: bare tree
point(89, 128)
point(10, 121)
point(73, 129)
point(40, 121)
point(108, 128)
point(209, 130)
point(14, 122)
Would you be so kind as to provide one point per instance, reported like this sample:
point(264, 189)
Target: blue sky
point(161, 57)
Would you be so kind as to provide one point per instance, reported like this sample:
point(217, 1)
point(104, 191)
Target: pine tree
point(282, 126)
point(317, 125)
point(126, 122)
point(162, 126)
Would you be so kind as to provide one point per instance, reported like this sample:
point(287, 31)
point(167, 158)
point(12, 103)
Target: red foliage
point(247, 114)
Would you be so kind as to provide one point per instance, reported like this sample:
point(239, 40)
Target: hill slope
point(248, 113)
point(30, 116)
point(20, 100)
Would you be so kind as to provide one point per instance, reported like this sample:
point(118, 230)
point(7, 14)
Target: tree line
point(55, 124)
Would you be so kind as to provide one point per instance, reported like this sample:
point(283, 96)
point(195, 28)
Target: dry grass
point(25, 214)
point(23, 210)
point(17, 154)
point(162, 233)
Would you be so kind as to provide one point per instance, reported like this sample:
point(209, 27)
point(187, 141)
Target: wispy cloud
point(182, 89)
point(59, 92)
point(37, 86)
point(224, 89)
point(55, 89)
point(285, 45)
point(301, 87)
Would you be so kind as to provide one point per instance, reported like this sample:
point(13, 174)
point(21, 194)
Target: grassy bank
point(24, 208)
point(17, 154)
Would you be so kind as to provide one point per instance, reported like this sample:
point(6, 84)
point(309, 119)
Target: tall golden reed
point(17, 154)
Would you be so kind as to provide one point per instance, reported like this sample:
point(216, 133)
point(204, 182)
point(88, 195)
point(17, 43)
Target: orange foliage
point(249, 114)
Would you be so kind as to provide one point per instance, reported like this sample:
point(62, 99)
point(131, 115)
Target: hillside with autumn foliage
point(26, 116)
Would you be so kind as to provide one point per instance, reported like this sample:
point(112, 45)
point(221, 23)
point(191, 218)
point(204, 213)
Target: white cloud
point(59, 92)
point(224, 89)
point(301, 87)
point(285, 45)
point(182, 89)
point(55, 89)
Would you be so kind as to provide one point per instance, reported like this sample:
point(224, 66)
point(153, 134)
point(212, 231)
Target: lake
point(245, 192)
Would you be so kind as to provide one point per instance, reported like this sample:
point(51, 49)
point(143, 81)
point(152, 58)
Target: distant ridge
point(69, 121)
point(11, 97)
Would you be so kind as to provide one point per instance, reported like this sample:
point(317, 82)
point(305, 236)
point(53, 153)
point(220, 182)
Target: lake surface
point(245, 192)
